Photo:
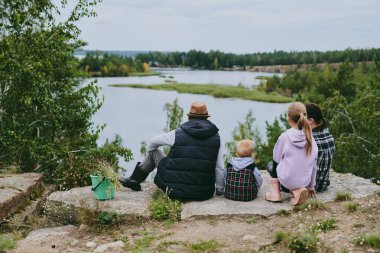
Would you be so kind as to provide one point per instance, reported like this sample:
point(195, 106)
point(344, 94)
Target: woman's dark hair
point(315, 112)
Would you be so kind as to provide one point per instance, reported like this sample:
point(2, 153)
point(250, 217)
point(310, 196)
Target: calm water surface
point(137, 114)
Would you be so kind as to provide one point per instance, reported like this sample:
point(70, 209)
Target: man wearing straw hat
point(194, 163)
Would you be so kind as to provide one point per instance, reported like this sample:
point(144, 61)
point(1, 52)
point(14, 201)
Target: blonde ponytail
point(303, 123)
point(297, 113)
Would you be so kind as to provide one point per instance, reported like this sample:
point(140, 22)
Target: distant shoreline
point(218, 91)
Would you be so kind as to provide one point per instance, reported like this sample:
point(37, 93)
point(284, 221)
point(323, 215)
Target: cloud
point(233, 25)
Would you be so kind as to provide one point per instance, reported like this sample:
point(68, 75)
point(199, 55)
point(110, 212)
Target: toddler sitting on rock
point(243, 179)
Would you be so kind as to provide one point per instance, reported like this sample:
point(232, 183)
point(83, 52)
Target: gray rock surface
point(48, 240)
point(14, 189)
point(37, 235)
point(339, 183)
point(63, 206)
point(91, 244)
point(109, 246)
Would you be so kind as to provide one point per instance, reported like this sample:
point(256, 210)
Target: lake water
point(137, 114)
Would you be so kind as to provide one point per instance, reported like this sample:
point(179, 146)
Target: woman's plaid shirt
point(326, 151)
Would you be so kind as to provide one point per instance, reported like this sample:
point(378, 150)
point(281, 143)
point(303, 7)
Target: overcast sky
point(237, 26)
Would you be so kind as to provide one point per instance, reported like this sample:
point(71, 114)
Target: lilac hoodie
point(295, 168)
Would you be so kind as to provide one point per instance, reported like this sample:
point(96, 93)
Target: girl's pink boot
point(274, 194)
point(299, 196)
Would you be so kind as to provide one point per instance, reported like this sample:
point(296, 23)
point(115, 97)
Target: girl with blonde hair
point(294, 159)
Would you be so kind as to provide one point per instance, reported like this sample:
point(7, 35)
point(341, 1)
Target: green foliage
point(75, 166)
point(283, 212)
point(351, 207)
point(323, 225)
point(99, 220)
point(303, 244)
point(46, 108)
point(342, 83)
point(103, 64)
point(244, 130)
point(252, 221)
point(355, 128)
point(343, 196)
point(143, 148)
point(215, 59)
point(354, 119)
point(105, 170)
point(174, 114)
point(271, 84)
point(142, 244)
point(204, 247)
point(214, 89)
point(163, 208)
point(164, 245)
point(265, 150)
point(281, 236)
point(108, 219)
point(311, 205)
point(371, 240)
point(7, 242)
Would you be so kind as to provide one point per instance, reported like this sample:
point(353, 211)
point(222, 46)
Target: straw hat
point(198, 110)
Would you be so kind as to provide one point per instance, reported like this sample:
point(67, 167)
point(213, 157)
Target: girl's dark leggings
point(272, 169)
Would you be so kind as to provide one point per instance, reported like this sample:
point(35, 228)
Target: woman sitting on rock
point(325, 143)
point(294, 159)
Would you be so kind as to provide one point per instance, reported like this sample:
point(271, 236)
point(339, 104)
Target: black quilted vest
point(188, 172)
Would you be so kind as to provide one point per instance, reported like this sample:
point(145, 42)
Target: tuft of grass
point(163, 245)
point(163, 208)
point(224, 91)
point(311, 205)
point(281, 236)
point(358, 225)
point(106, 170)
point(252, 221)
point(351, 207)
point(139, 74)
point(370, 240)
point(307, 242)
point(303, 244)
point(7, 242)
point(212, 221)
point(142, 244)
point(283, 212)
point(99, 220)
point(343, 196)
point(102, 220)
point(324, 225)
point(204, 247)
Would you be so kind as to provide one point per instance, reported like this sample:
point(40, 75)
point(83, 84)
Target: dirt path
point(224, 234)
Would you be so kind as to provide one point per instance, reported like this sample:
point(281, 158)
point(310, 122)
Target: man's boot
point(299, 196)
point(274, 194)
point(133, 182)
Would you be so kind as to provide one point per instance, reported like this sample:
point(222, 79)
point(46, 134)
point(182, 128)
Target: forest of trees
point(99, 64)
point(219, 60)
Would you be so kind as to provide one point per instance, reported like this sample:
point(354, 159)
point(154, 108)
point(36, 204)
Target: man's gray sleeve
point(219, 172)
point(161, 140)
